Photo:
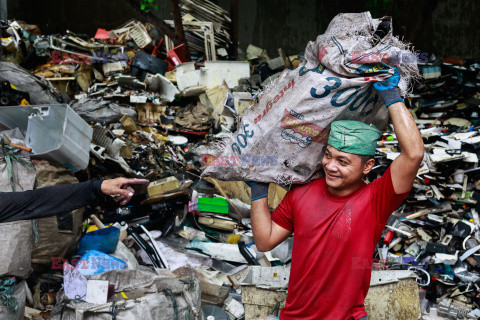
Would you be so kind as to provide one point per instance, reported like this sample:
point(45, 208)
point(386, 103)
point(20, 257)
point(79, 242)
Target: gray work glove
point(388, 89)
point(259, 189)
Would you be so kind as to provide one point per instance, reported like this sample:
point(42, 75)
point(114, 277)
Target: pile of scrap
point(436, 230)
point(119, 106)
point(207, 28)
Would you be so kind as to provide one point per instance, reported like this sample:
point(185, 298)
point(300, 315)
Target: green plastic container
point(216, 205)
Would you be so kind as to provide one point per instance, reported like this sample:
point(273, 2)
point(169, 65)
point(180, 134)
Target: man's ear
point(367, 167)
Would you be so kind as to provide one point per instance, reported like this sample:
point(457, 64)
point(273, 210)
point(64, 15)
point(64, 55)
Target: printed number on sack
point(327, 88)
point(242, 140)
point(339, 100)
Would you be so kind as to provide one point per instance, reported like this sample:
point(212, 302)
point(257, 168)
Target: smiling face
point(344, 171)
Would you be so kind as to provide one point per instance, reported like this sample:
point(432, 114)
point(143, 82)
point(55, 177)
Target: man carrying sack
point(339, 219)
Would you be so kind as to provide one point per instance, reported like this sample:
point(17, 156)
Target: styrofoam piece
point(228, 71)
point(446, 258)
point(54, 132)
point(254, 52)
point(162, 85)
point(234, 307)
point(138, 99)
point(186, 75)
point(213, 74)
point(222, 52)
point(381, 277)
point(193, 91)
point(274, 277)
point(97, 291)
point(113, 67)
point(80, 96)
point(276, 63)
point(177, 140)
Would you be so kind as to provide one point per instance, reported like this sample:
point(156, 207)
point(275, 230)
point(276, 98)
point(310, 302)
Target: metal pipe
point(179, 33)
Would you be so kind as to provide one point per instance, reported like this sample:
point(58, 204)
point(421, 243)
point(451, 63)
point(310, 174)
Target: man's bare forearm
point(405, 167)
point(261, 224)
point(409, 138)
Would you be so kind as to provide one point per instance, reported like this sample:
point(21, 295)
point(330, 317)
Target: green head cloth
point(354, 137)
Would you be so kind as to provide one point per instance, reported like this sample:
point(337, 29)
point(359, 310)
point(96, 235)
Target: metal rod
point(465, 171)
point(179, 33)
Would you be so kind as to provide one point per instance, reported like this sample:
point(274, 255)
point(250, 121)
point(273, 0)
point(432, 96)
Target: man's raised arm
point(405, 167)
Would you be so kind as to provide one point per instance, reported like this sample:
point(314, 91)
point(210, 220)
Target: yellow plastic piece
point(234, 239)
point(95, 228)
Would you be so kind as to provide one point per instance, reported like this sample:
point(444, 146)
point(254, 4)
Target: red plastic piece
point(388, 237)
point(102, 34)
point(177, 55)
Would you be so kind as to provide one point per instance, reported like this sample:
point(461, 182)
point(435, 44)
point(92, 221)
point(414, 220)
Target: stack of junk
point(128, 103)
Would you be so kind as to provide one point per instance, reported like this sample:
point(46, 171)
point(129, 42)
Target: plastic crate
point(177, 55)
point(54, 132)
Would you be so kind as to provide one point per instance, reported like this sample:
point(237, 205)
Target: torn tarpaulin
point(40, 90)
point(100, 110)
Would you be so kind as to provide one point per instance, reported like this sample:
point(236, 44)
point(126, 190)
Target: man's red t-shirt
point(333, 243)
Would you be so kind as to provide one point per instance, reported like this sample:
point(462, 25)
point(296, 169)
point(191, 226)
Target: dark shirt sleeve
point(48, 201)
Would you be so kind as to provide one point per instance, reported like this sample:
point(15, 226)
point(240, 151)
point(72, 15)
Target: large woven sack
point(23, 176)
point(15, 251)
point(20, 294)
point(16, 236)
point(280, 138)
point(153, 298)
point(57, 235)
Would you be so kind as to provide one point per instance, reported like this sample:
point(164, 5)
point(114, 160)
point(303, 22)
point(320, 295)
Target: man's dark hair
point(365, 159)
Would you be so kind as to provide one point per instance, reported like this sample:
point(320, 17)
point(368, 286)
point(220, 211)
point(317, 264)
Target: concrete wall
point(271, 24)
point(454, 30)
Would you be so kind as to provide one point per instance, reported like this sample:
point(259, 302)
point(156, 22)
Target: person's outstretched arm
point(50, 201)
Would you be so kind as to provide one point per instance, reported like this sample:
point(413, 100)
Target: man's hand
point(266, 233)
point(120, 188)
point(387, 89)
